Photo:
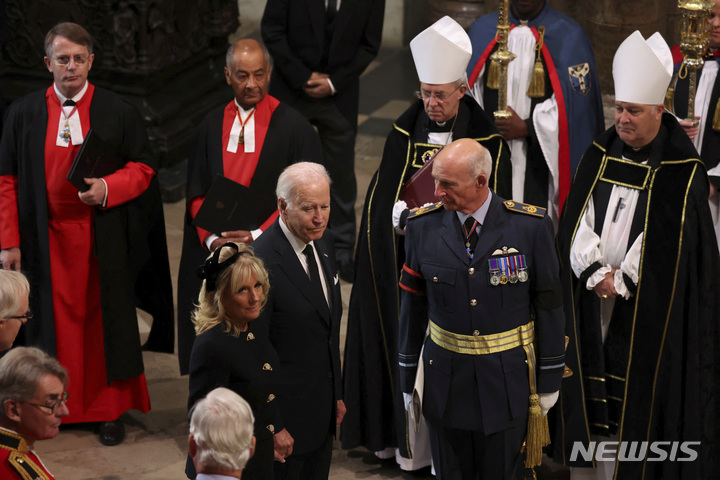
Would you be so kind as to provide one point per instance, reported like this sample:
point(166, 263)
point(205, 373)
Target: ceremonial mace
point(694, 42)
point(502, 57)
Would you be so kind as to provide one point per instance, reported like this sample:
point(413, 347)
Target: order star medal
point(65, 135)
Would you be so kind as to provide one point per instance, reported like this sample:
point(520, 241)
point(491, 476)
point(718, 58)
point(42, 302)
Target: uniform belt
point(482, 344)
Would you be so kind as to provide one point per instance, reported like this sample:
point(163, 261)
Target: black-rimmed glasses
point(28, 315)
point(50, 409)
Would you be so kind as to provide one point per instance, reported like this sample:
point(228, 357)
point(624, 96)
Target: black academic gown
point(119, 231)
point(376, 416)
point(290, 139)
point(661, 341)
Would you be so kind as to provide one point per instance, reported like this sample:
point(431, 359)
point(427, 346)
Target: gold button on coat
point(473, 302)
point(471, 271)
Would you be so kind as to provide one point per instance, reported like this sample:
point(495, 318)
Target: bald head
point(461, 171)
point(247, 71)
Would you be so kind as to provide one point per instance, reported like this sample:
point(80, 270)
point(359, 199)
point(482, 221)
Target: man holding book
point(74, 246)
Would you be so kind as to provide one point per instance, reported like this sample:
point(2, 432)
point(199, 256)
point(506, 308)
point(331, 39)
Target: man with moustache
point(33, 402)
point(442, 113)
point(640, 278)
point(250, 140)
point(303, 315)
point(74, 246)
point(553, 96)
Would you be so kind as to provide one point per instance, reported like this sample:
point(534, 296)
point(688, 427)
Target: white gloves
point(547, 400)
point(397, 211)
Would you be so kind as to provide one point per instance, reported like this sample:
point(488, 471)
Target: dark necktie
point(470, 235)
point(309, 253)
point(331, 10)
point(314, 273)
point(69, 103)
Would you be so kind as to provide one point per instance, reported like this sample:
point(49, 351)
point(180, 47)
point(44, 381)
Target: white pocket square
point(335, 279)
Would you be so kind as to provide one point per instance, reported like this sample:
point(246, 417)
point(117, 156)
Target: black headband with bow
point(213, 267)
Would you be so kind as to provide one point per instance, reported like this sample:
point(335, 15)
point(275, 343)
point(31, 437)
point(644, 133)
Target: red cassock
point(75, 275)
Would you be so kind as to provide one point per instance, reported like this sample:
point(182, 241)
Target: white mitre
point(642, 69)
point(441, 52)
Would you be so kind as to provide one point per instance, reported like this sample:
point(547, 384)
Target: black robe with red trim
point(290, 139)
point(129, 238)
point(666, 334)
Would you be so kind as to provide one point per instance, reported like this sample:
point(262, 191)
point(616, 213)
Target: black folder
point(94, 160)
point(229, 206)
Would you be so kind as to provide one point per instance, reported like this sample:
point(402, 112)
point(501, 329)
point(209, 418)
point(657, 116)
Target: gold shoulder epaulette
point(525, 208)
point(423, 210)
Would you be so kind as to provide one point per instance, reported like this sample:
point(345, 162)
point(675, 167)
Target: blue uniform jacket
point(439, 282)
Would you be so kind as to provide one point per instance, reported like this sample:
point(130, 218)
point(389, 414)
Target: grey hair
point(296, 175)
point(20, 371)
point(461, 81)
point(230, 55)
point(480, 163)
point(222, 426)
point(13, 286)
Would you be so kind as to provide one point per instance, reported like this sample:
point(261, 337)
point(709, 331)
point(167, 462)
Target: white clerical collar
point(76, 98)
point(69, 130)
point(246, 129)
point(297, 244)
point(243, 113)
point(480, 213)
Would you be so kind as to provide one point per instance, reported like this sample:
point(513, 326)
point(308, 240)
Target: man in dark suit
point(482, 273)
point(320, 48)
point(249, 140)
point(303, 315)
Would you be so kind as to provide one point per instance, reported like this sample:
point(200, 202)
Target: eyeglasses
point(440, 97)
point(50, 409)
point(64, 60)
point(27, 315)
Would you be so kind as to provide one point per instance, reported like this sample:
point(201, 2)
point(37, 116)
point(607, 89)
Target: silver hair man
point(296, 175)
point(221, 433)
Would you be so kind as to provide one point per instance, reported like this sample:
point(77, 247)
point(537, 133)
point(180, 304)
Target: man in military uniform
point(441, 114)
point(33, 400)
point(482, 275)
